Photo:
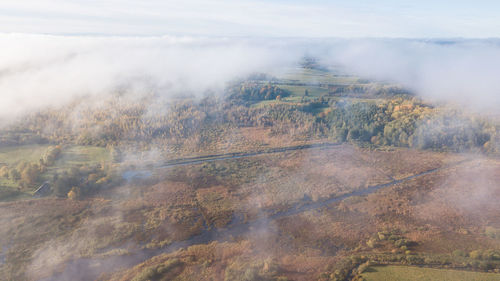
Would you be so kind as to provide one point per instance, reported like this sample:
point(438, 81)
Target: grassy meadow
point(409, 273)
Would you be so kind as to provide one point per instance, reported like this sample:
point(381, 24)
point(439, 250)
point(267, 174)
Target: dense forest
point(402, 121)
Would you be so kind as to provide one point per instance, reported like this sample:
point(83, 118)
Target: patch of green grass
point(79, 155)
point(7, 183)
point(10, 193)
point(300, 90)
point(83, 155)
point(265, 102)
point(408, 273)
point(70, 156)
point(305, 75)
point(292, 99)
point(28, 153)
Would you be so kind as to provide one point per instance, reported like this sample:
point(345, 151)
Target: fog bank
point(45, 70)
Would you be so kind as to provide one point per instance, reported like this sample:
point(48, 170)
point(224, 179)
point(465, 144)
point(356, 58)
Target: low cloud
point(45, 70)
point(459, 71)
point(42, 70)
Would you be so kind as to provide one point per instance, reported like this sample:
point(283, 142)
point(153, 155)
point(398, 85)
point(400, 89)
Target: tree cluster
point(80, 182)
point(257, 92)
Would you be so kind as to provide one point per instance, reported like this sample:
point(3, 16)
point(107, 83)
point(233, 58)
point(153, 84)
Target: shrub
point(476, 254)
point(382, 235)
point(459, 253)
point(4, 172)
point(372, 243)
point(157, 271)
point(14, 174)
point(400, 243)
point(491, 255)
point(74, 193)
point(414, 259)
point(51, 155)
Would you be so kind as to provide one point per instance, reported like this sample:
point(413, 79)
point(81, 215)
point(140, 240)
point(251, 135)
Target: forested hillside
point(401, 121)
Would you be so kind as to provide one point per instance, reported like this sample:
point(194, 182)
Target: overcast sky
point(292, 18)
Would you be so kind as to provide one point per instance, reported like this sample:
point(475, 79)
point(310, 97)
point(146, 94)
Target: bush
point(156, 271)
point(4, 172)
point(491, 255)
point(29, 174)
point(51, 155)
point(414, 259)
point(372, 243)
point(476, 254)
point(382, 235)
point(74, 193)
point(459, 253)
point(401, 242)
point(14, 174)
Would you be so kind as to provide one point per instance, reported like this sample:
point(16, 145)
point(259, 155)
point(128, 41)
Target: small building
point(43, 190)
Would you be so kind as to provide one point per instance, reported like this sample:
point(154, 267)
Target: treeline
point(124, 123)
point(401, 122)
point(368, 91)
point(256, 92)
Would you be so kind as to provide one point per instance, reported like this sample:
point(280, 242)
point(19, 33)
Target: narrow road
point(235, 155)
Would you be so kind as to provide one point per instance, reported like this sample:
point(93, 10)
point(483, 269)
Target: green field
point(408, 273)
point(8, 192)
point(315, 81)
point(28, 153)
point(317, 76)
point(77, 155)
point(300, 90)
point(82, 155)
point(70, 155)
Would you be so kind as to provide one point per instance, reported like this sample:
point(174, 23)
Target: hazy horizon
point(352, 19)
